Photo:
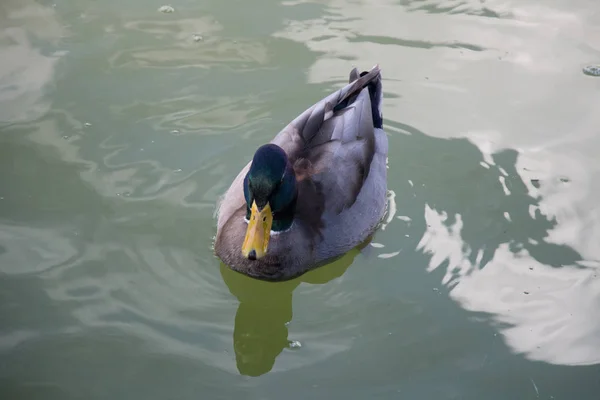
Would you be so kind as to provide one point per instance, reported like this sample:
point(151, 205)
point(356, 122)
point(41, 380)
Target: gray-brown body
point(339, 151)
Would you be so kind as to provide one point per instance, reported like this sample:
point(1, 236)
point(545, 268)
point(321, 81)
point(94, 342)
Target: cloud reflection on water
point(499, 245)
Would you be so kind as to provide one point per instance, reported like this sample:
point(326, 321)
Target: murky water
point(120, 126)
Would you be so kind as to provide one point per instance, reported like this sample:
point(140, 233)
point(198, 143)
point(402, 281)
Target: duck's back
point(340, 144)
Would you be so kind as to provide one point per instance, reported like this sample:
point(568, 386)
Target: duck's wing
point(333, 142)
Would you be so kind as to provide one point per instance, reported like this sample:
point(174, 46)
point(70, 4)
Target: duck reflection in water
point(260, 333)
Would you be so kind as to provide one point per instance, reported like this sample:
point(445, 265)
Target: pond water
point(121, 125)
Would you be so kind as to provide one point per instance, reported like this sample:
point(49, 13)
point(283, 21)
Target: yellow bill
point(258, 232)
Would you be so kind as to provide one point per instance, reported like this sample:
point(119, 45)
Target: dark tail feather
point(376, 95)
point(309, 122)
point(357, 83)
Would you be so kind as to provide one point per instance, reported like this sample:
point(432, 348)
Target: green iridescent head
point(270, 192)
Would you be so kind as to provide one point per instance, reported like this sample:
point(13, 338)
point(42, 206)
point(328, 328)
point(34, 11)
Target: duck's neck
point(284, 218)
point(283, 200)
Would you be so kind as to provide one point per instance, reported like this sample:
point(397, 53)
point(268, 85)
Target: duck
point(317, 190)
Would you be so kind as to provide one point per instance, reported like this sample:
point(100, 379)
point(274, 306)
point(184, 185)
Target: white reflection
point(175, 46)
point(548, 314)
point(43, 249)
point(506, 75)
point(552, 314)
point(25, 70)
point(521, 63)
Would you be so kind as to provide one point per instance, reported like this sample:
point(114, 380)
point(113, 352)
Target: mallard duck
point(316, 191)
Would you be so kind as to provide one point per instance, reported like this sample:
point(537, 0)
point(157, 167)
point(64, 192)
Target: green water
point(120, 129)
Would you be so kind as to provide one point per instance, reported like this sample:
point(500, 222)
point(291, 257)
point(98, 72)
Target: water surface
point(120, 127)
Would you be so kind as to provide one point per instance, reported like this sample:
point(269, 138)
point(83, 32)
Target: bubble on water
point(294, 344)
point(87, 124)
point(166, 9)
point(197, 38)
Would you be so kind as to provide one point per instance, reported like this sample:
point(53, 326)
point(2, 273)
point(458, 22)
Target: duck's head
point(270, 192)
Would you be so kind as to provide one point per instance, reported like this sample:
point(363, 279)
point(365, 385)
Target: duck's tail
point(309, 122)
point(375, 92)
